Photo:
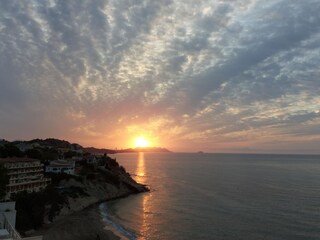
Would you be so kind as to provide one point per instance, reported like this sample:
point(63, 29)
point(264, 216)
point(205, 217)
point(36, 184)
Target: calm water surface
point(220, 196)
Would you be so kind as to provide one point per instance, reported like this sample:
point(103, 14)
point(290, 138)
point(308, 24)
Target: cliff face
point(98, 178)
point(102, 185)
point(67, 194)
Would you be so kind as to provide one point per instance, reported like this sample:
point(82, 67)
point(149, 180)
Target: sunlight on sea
point(220, 197)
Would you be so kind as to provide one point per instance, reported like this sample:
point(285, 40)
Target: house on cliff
point(61, 166)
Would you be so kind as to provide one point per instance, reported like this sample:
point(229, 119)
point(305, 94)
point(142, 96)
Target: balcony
point(42, 180)
point(24, 171)
point(17, 166)
point(19, 177)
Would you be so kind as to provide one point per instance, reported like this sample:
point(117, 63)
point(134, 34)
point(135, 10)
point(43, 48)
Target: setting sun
point(141, 142)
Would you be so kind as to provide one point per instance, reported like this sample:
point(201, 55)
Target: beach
point(83, 225)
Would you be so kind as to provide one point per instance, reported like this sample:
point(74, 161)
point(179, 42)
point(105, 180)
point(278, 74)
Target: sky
point(189, 75)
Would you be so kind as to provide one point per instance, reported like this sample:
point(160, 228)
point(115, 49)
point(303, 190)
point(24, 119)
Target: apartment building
point(25, 174)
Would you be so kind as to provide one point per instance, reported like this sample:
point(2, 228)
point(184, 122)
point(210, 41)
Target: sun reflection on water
point(140, 172)
point(141, 178)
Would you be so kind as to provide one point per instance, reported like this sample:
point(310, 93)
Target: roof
point(60, 166)
point(63, 163)
point(17, 160)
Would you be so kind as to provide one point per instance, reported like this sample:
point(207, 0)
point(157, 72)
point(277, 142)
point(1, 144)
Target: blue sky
point(220, 76)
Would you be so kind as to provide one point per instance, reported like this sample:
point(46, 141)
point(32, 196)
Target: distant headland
point(93, 150)
point(52, 142)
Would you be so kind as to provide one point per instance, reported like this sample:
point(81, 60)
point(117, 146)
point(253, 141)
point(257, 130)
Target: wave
point(115, 227)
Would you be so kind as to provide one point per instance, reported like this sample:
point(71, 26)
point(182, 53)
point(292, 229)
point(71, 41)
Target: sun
point(141, 142)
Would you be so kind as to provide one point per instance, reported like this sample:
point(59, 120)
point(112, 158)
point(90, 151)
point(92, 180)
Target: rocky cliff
point(67, 194)
point(98, 188)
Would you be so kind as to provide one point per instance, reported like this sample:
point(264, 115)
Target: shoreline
point(115, 233)
point(82, 225)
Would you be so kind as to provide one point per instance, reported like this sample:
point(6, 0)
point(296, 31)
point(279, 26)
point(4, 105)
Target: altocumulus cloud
point(217, 75)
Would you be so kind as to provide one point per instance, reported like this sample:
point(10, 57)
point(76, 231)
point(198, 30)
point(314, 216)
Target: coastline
point(78, 216)
point(82, 225)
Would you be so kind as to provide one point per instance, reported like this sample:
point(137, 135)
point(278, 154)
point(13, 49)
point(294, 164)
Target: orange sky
point(216, 76)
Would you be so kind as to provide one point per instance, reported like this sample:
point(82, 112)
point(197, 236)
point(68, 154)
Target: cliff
point(98, 189)
point(98, 178)
point(68, 194)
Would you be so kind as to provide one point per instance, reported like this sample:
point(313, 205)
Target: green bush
point(57, 177)
point(31, 207)
point(110, 177)
point(4, 180)
point(75, 192)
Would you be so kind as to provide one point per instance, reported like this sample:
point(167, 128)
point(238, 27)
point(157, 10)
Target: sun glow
point(141, 142)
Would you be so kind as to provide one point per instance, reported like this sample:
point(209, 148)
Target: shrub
point(31, 207)
point(4, 180)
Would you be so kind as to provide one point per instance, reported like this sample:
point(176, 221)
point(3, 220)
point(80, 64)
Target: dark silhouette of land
point(47, 148)
point(93, 150)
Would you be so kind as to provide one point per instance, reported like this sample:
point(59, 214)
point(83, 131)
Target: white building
point(61, 166)
point(24, 146)
point(25, 174)
point(8, 223)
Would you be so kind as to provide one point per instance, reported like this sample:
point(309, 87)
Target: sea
point(219, 197)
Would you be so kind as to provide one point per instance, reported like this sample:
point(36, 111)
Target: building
point(91, 159)
point(76, 148)
point(8, 223)
point(24, 146)
point(61, 166)
point(25, 174)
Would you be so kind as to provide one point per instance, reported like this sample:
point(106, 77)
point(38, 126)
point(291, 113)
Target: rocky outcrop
point(103, 185)
point(96, 182)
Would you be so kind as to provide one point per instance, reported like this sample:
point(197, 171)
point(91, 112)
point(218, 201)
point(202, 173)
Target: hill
point(63, 146)
point(93, 150)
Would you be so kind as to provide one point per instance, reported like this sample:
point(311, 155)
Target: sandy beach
point(84, 225)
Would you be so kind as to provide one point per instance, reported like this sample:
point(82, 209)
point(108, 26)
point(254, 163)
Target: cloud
point(211, 73)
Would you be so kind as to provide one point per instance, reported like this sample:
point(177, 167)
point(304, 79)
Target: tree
point(10, 150)
point(4, 181)
point(69, 154)
point(50, 154)
point(2, 152)
point(33, 153)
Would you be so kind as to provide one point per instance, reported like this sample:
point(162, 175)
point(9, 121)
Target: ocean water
point(219, 197)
